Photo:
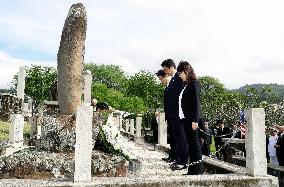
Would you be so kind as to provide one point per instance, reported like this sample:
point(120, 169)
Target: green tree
point(144, 85)
point(110, 75)
point(117, 99)
point(38, 80)
point(218, 102)
point(264, 98)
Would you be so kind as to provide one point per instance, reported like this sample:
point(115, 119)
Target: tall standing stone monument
point(70, 59)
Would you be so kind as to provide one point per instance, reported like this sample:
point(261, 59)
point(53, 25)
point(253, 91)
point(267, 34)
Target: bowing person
point(191, 111)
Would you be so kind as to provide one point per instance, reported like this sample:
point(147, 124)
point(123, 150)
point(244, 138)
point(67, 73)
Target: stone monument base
point(35, 164)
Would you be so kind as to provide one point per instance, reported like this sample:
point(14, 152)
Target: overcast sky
point(237, 41)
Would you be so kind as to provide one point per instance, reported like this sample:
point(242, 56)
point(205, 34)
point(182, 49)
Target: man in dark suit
point(280, 147)
point(222, 132)
point(205, 137)
point(178, 142)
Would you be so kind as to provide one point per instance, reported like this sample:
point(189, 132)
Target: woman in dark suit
point(191, 111)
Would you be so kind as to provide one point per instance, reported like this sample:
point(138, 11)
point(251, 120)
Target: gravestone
point(87, 87)
point(70, 60)
point(120, 122)
point(83, 146)
point(132, 126)
point(138, 137)
point(15, 134)
point(138, 126)
point(127, 125)
point(162, 130)
point(21, 83)
point(256, 163)
point(16, 130)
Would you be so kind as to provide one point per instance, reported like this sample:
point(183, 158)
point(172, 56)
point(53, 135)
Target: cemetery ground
point(4, 130)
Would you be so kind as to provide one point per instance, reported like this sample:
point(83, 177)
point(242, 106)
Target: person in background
point(164, 80)
point(190, 113)
point(93, 104)
point(267, 133)
point(271, 148)
point(279, 127)
point(222, 132)
point(240, 128)
point(102, 107)
point(163, 77)
point(206, 138)
point(154, 127)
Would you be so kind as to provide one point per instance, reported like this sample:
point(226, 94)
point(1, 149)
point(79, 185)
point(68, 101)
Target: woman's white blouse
point(180, 112)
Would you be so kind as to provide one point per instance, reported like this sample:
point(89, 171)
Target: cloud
point(9, 66)
point(238, 42)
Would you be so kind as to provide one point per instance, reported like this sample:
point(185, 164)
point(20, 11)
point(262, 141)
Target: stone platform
point(155, 172)
point(232, 180)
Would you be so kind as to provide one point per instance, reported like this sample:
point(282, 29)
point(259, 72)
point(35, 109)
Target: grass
point(212, 146)
point(4, 130)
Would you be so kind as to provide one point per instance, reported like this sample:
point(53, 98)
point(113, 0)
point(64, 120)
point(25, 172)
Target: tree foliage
point(144, 85)
point(142, 93)
point(220, 103)
point(117, 99)
point(38, 80)
point(110, 75)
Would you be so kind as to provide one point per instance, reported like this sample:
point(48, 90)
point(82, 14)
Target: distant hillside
point(276, 88)
point(4, 90)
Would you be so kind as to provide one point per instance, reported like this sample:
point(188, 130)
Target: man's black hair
point(219, 121)
point(168, 63)
point(102, 106)
point(161, 73)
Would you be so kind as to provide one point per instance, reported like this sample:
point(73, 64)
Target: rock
point(37, 163)
point(58, 133)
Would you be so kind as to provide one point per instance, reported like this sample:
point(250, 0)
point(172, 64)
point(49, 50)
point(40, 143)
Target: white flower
point(113, 136)
point(116, 146)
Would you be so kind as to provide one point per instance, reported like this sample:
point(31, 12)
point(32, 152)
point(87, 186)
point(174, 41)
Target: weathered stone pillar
point(127, 125)
point(256, 163)
point(70, 60)
point(25, 110)
point(138, 126)
point(132, 126)
point(162, 129)
point(21, 84)
point(83, 146)
point(16, 130)
point(33, 129)
point(87, 87)
point(36, 122)
point(120, 122)
point(30, 105)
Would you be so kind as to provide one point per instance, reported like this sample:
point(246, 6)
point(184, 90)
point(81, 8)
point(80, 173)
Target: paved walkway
point(152, 164)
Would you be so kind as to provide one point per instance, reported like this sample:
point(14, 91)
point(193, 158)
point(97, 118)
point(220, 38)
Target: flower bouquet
point(111, 138)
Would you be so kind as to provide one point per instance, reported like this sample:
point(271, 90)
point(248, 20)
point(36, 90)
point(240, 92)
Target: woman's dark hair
point(161, 73)
point(185, 67)
point(168, 63)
